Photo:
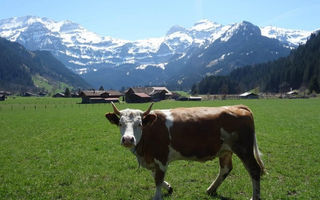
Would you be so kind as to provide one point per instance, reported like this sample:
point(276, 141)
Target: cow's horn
point(148, 111)
point(115, 109)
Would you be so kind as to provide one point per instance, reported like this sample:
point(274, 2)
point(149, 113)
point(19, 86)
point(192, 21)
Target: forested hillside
point(22, 70)
point(301, 69)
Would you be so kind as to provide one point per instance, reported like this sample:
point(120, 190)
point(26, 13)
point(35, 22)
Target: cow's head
point(131, 123)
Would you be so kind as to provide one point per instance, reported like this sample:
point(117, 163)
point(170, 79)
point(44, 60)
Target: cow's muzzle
point(128, 141)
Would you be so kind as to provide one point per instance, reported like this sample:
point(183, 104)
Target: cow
point(199, 133)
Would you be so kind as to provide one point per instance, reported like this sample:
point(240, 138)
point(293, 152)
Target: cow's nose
point(127, 140)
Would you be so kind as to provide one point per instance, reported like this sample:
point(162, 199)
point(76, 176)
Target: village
point(152, 94)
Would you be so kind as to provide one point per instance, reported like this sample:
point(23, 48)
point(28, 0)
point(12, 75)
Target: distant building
point(42, 94)
point(2, 97)
point(100, 96)
point(147, 94)
point(292, 92)
point(249, 95)
point(28, 94)
point(195, 98)
point(60, 94)
point(6, 93)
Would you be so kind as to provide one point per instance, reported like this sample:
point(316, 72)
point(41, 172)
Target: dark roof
point(92, 93)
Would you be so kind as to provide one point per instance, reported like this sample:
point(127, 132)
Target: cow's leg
point(254, 170)
point(158, 175)
point(225, 168)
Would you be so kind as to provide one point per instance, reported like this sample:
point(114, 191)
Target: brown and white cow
point(160, 136)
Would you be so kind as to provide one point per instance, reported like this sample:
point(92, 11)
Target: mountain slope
point(301, 69)
point(242, 44)
point(20, 68)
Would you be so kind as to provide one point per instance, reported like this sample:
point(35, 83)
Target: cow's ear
point(149, 119)
point(113, 118)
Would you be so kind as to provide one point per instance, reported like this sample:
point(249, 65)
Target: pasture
point(59, 149)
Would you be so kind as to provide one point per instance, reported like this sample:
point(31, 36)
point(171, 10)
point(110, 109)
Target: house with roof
point(59, 95)
point(147, 94)
point(100, 96)
point(249, 95)
point(2, 97)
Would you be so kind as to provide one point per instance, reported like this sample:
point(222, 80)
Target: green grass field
point(60, 149)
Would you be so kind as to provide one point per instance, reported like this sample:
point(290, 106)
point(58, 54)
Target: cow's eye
point(120, 124)
point(140, 124)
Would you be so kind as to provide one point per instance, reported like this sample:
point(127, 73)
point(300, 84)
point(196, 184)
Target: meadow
point(60, 149)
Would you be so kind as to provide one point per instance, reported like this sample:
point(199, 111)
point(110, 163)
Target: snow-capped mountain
point(138, 62)
point(82, 50)
point(240, 45)
point(292, 37)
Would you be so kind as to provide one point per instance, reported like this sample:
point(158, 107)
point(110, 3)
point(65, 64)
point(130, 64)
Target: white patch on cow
point(161, 166)
point(130, 124)
point(228, 140)
point(166, 185)
point(169, 120)
point(174, 155)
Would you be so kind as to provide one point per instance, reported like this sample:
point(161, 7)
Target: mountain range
point(178, 59)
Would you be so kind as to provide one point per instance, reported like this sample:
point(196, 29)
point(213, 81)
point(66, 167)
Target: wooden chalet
point(249, 95)
point(59, 94)
point(2, 97)
point(100, 96)
point(28, 94)
point(147, 94)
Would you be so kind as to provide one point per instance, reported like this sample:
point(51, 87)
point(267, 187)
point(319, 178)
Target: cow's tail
point(257, 155)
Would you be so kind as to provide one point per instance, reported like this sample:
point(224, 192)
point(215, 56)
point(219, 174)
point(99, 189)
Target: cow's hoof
point(212, 192)
point(170, 190)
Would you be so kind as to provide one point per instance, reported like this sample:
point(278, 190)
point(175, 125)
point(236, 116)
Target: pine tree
point(101, 88)
point(67, 93)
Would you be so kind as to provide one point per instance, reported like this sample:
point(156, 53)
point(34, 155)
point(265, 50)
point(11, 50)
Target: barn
point(249, 95)
point(147, 94)
point(59, 94)
point(100, 96)
point(2, 97)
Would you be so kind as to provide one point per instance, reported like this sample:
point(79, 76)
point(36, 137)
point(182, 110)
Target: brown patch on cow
point(154, 142)
point(196, 131)
point(149, 119)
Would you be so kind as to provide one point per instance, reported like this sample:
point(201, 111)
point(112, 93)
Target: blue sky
point(140, 19)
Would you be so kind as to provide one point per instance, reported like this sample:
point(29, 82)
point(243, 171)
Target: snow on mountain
point(292, 37)
point(86, 52)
